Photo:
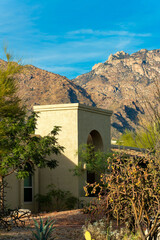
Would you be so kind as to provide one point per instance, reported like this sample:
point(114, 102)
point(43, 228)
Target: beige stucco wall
point(15, 192)
point(76, 122)
point(66, 117)
point(90, 119)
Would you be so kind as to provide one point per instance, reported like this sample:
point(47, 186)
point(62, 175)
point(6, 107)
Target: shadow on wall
point(62, 177)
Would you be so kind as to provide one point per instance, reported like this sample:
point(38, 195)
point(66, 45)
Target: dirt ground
point(68, 226)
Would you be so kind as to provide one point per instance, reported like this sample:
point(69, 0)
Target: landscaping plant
point(90, 160)
point(21, 151)
point(131, 192)
point(43, 231)
point(56, 199)
point(100, 230)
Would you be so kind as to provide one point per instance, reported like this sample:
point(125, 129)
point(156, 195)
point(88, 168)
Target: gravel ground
point(68, 226)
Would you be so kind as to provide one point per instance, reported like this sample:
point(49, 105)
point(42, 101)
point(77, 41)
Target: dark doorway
point(94, 138)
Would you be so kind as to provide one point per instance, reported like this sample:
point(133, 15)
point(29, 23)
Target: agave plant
point(43, 231)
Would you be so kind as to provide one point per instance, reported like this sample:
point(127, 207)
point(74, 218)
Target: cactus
point(43, 232)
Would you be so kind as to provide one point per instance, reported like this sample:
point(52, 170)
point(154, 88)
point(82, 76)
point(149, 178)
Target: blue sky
point(69, 36)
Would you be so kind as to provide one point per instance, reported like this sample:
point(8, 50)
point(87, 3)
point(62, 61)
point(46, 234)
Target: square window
point(28, 189)
point(28, 181)
point(27, 194)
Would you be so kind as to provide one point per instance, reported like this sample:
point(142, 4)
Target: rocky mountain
point(121, 84)
point(117, 84)
point(40, 87)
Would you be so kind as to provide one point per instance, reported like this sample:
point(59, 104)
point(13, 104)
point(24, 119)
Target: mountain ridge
point(40, 87)
point(117, 84)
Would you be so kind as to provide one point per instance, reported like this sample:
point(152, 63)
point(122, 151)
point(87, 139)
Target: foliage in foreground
point(91, 160)
point(56, 199)
point(24, 150)
point(9, 102)
point(20, 149)
point(100, 230)
point(43, 231)
point(131, 192)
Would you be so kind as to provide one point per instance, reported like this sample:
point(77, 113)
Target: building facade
point(80, 124)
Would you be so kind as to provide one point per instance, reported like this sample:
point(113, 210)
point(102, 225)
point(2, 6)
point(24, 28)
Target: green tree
point(20, 149)
point(145, 137)
point(9, 102)
point(91, 160)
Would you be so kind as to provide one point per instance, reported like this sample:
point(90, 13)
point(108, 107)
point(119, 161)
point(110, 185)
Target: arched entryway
point(95, 139)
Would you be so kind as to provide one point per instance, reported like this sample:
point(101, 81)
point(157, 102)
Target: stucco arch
point(95, 138)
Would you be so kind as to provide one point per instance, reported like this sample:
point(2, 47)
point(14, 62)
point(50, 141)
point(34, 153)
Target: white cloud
point(76, 51)
point(62, 69)
point(63, 57)
point(107, 33)
point(59, 53)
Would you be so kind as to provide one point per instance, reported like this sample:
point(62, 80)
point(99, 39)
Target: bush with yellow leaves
point(131, 192)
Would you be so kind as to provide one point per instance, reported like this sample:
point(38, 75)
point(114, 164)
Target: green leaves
point(56, 199)
point(43, 231)
point(9, 102)
point(21, 150)
point(91, 160)
point(142, 138)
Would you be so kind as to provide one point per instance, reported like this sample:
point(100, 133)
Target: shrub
point(91, 160)
point(100, 230)
point(131, 192)
point(43, 231)
point(44, 201)
point(56, 199)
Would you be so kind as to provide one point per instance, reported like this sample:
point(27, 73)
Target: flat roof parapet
point(71, 106)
